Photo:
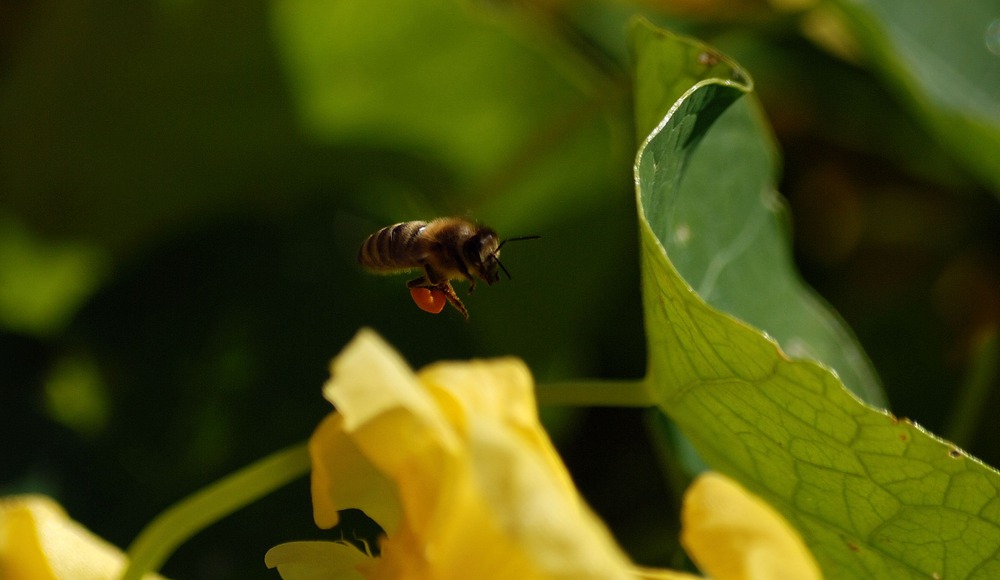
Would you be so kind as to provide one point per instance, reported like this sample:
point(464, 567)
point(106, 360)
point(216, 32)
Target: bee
point(445, 249)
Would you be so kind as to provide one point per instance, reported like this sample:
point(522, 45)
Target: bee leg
point(420, 282)
point(453, 298)
point(430, 279)
point(445, 288)
point(472, 285)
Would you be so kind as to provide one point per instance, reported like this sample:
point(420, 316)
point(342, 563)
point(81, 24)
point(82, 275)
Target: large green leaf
point(944, 59)
point(874, 496)
point(716, 209)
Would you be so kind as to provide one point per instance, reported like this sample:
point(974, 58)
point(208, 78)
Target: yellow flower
point(731, 534)
point(38, 541)
point(454, 465)
point(456, 468)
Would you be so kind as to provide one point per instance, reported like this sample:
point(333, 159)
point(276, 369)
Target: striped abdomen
point(394, 248)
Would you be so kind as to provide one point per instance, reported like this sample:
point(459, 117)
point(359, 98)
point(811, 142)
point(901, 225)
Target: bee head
point(482, 252)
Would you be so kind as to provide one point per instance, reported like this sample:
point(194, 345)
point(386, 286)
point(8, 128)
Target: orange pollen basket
point(429, 300)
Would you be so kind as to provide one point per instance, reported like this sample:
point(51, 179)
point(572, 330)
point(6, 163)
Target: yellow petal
point(369, 379)
point(501, 391)
point(343, 478)
point(658, 574)
point(505, 517)
point(733, 535)
point(527, 497)
point(529, 506)
point(482, 490)
point(394, 422)
point(317, 561)
point(38, 541)
point(498, 389)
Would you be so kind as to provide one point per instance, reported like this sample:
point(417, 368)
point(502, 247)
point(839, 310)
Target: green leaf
point(873, 496)
point(944, 60)
point(438, 77)
point(716, 209)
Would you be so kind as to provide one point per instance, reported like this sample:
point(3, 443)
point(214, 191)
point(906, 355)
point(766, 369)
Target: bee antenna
point(518, 239)
point(502, 267)
point(497, 251)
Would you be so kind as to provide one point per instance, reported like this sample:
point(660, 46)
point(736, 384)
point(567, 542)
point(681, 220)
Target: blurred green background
point(183, 188)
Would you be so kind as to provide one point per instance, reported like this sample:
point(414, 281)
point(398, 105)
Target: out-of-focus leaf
point(944, 58)
point(873, 496)
point(437, 77)
point(119, 121)
point(42, 283)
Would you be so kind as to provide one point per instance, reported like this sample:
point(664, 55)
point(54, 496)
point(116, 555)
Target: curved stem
point(630, 393)
point(182, 520)
point(980, 379)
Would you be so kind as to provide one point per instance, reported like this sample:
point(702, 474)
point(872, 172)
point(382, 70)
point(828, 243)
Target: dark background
point(183, 188)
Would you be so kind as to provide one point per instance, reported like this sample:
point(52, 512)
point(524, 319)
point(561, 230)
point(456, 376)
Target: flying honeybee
point(445, 249)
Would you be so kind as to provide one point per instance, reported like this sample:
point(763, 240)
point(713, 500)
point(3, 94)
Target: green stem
point(634, 393)
point(967, 414)
point(170, 529)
